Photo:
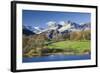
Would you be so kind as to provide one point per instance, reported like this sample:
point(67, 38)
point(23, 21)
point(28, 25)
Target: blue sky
point(40, 18)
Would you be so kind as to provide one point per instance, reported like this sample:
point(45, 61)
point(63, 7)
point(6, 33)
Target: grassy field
point(78, 46)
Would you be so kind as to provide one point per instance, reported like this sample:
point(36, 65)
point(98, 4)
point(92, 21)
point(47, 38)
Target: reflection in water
point(57, 58)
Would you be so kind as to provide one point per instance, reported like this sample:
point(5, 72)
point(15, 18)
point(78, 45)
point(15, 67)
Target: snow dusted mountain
point(65, 27)
point(35, 30)
point(54, 28)
point(70, 26)
point(86, 26)
point(51, 26)
point(27, 31)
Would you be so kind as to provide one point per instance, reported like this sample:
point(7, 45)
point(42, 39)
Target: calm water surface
point(57, 58)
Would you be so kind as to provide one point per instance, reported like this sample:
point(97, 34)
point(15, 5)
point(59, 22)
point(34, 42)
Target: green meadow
point(78, 46)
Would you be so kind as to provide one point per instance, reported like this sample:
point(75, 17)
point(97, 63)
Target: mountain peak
point(61, 27)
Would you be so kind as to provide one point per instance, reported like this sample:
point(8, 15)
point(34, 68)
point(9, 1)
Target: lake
point(57, 58)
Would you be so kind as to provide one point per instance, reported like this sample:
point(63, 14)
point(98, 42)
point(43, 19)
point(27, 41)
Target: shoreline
point(60, 53)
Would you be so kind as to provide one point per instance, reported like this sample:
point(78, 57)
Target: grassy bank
point(67, 47)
